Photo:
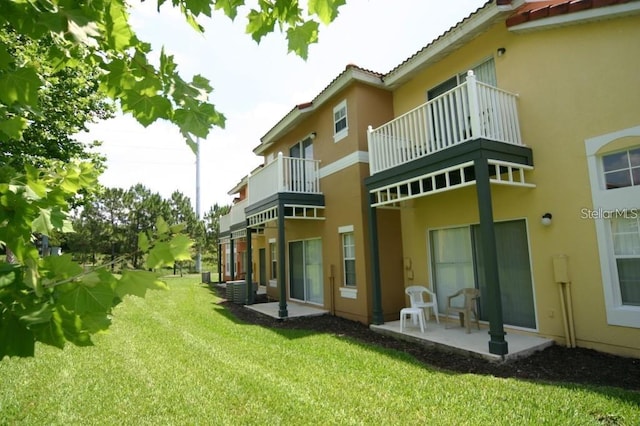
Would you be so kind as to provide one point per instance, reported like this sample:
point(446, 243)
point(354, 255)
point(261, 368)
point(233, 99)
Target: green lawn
point(177, 357)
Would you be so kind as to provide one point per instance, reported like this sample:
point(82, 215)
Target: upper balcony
point(285, 174)
point(472, 110)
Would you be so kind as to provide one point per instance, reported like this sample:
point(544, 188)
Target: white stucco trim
point(607, 201)
point(346, 161)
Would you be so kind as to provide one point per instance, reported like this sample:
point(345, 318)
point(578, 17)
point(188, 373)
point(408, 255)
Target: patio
point(454, 338)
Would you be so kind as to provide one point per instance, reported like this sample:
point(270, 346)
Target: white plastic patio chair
point(416, 298)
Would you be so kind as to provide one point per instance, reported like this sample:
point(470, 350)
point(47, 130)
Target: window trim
point(341, 134)
point(347, 291)
point(607, 200)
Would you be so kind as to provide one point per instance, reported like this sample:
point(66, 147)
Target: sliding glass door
point(305, 271)
point(458, 262)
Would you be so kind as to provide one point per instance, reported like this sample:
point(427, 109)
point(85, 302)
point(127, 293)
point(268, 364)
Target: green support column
point(282, 282)
point(497, 344)
point(232, 258)
point(249, 277)
point(219, 263)
point(376, 290)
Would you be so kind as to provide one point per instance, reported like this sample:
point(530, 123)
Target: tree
point(212, 228)
point(54, 300)
point(66, 103)
point(109, 44)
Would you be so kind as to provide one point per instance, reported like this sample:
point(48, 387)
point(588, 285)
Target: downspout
point(561, 277)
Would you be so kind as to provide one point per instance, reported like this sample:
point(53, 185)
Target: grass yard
point(177, 357)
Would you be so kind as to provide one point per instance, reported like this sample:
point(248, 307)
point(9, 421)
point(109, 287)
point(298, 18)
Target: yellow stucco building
point(504, 155)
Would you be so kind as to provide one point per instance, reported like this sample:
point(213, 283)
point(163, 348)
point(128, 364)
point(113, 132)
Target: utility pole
point(198, 254)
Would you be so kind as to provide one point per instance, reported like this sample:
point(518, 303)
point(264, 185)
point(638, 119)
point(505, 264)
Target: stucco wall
point(574, 83)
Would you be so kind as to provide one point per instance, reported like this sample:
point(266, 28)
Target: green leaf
point(37, 315)
point(198, 120)
point(260, 24)
point(138, 282)
point(42, 224)
point(327, 10)
point(15, 338)
point(20, 86)
point(146, 109)
point(160, 255)
point(301, 36)
point(73, 328)
point(230, 7)
point(50, 332)
point(83, 297)
point(143, 242)
point(180, 247)
point(13, 127)
point(5, 57)
point(81, 27)
point(118, 32)
point(60, 267)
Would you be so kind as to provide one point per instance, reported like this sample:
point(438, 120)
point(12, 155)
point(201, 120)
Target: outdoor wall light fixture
point(546, 219)
point(501, 51)
point(313, 135)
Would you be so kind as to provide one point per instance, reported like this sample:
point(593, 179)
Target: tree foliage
point(66, 103)
point(53, 299)
point(97, 34)
point(51, 50)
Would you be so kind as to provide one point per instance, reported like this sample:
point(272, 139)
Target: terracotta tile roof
point(532, 11)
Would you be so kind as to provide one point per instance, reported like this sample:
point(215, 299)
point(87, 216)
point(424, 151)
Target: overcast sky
point(255, 86)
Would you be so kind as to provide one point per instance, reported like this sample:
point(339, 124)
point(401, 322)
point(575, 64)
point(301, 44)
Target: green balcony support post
point(232, 258)
point(249, 277)
point(219, 262)
point(376, 290)
point(497, 343)
point(282, 311)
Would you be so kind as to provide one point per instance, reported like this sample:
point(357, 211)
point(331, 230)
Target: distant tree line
point(107, 226)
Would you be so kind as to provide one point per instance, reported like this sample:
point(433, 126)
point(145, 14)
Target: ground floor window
point(625, 233)
point(273, 253)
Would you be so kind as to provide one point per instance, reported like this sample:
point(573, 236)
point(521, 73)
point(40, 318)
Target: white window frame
point(227, 259)
point(342, 133)
point(605, 204)
point(347, 291)
point(273, 262)
point(628, 168)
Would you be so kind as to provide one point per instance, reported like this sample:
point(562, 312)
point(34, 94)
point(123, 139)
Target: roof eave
point(349, 76)
point(589, 15)
point(463, 32)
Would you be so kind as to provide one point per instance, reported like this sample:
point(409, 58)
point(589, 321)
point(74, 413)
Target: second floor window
point(340, 124)
point(622, 169)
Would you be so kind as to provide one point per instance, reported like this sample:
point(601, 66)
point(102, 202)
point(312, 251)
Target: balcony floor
point(455, 339)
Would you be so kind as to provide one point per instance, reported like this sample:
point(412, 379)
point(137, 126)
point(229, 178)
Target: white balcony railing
point(237, 212)
point(225, 222)
point(470, 111)
point(285, 174)
point(235, 216)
